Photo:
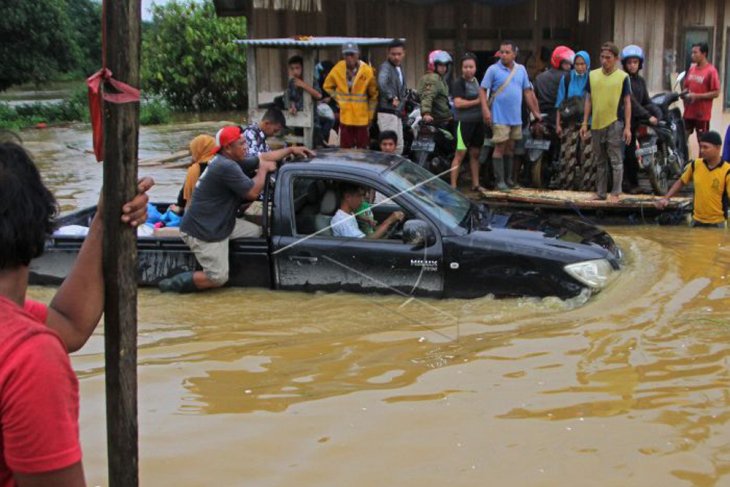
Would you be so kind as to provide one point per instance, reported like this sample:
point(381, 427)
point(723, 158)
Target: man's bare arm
point(76, 308)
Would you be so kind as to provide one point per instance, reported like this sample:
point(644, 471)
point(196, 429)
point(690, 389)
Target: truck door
point(312, 259)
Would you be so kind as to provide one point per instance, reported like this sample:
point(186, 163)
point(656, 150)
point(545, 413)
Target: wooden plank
point(121, 137)
point(580, 199)
point(156, 161)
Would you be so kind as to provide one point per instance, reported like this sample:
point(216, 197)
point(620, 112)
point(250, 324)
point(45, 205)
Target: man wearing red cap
point(211, 221)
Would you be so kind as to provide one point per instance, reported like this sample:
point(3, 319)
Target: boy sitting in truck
point(344, 223)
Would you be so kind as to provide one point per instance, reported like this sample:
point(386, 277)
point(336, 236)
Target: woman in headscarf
point(575, 170)
point(201, 150)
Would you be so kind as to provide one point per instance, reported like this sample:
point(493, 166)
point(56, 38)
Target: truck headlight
point(593, 273)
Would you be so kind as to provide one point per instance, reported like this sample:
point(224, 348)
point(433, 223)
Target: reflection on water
point(255, 387)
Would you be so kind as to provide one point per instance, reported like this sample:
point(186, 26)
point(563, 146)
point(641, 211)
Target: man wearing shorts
point(210, 222)
point(703, 85)
point(507, 84)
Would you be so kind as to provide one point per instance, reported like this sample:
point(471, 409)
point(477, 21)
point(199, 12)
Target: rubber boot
point(508, 169)
point(179, 283)
point(498, 168)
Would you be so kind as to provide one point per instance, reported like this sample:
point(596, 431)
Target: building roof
point(234, 8)
point(313, 41)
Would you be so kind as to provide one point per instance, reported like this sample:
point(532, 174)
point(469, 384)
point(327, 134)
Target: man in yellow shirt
point(353, 84)
point(608, 100)
point(711, 177)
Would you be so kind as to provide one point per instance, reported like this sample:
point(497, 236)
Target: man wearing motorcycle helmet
point(433, 89)
point(547, 82)
point(642, 111)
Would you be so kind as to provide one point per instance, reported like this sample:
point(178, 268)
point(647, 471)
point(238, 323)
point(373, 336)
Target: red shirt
point(39, 397)
point(701, 80)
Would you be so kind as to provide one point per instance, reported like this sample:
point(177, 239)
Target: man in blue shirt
point(507, 83)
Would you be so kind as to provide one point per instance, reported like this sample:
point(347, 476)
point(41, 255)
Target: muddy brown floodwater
point(254, 387)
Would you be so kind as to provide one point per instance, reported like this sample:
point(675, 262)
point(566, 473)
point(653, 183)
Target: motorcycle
point(662, 150)
point(542, 148)
point(412, 107)
point(433, 146)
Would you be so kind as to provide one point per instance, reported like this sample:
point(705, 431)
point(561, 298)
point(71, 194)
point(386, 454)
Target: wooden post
point(121, 132)
point(309, 105)
point(251, 81)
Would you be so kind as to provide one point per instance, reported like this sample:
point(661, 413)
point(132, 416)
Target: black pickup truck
point(446, 247)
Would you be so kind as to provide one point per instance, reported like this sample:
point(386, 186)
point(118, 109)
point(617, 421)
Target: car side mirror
point(418, 233)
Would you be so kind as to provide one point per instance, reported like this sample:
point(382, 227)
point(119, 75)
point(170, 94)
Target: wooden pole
point(121, 132)
point(309, 106)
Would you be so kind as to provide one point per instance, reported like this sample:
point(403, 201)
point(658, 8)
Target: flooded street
point(254, 387)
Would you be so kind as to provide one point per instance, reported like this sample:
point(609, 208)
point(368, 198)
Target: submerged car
point(446, 247)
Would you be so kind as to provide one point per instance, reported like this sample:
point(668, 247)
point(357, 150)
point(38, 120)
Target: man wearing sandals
point(507, 83)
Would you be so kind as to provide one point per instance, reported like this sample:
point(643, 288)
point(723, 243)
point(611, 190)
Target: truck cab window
point(341, 209)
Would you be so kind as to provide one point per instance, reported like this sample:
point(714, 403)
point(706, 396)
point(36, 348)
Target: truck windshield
point(439, 200)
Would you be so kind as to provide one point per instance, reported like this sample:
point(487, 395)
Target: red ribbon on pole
point(97, 97)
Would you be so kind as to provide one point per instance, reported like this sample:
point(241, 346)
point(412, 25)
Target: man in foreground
point(711, 178)
point(210, 222)
point(38, 389)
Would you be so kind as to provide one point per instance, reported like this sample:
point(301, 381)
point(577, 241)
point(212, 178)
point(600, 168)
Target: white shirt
point(400, 74)
point(345, 225)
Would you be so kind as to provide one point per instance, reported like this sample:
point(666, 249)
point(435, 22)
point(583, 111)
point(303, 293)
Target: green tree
point(85, 17)
point(189, 57)
point(38, 41)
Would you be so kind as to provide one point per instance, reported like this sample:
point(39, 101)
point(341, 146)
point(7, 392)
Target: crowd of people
point(596, 113)
point(230, 170)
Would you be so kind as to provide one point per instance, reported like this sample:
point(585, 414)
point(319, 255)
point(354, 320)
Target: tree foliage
point(38, 41)
point(189, 57)
point(85, 17)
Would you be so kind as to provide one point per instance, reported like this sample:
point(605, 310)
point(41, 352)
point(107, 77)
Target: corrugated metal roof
point(303, 41)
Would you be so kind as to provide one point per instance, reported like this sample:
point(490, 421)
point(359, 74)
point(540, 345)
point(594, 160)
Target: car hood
point(564, 231)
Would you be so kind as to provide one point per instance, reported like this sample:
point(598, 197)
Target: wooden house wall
point(636, 22)
point(453, 26)
point(656, 25)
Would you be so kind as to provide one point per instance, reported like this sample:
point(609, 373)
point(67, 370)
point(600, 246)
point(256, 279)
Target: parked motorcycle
point(433, 146)
point(542, 148)
point(412, 109)
point(662, 150)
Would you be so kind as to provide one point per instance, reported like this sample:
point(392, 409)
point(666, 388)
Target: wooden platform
point(629, 209)
point(580, 199)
